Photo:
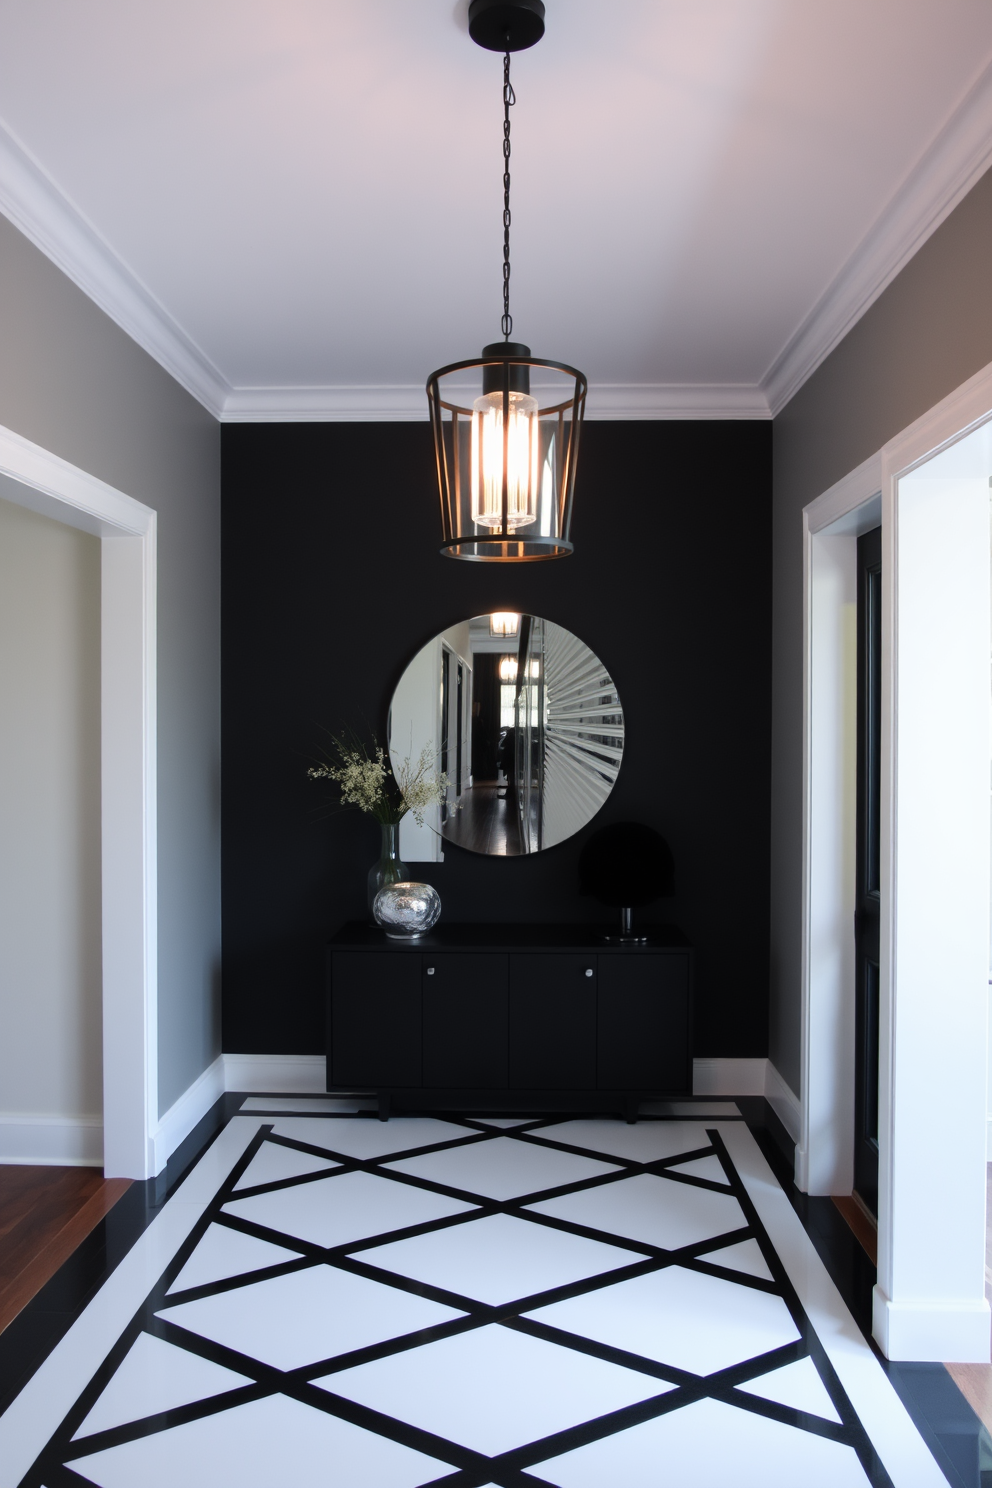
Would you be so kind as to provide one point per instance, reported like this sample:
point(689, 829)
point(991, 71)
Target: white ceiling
point(295, 204)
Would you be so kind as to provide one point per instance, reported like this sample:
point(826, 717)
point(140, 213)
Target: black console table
point(511, 1017)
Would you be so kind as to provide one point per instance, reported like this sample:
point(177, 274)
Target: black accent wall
point(332, 580)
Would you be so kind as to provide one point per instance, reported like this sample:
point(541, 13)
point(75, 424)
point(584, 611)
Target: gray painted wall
point(73, 382)
point(50, 961)
point(928, 333)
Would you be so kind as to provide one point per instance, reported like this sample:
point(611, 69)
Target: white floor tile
point(502, 1169)
point(30, 1420)
point(498, 1259)
point(365, 1137)
point(645, 1141)
point(154, 1376)
point(305, 1316)
point(493, 1389)
point(898, 1443)
point(271, 1443)
point(272, 1162)
point(708, 1445)
point(304, 1104)
point(653, 1209)
point(744, 1256)
point(703, 1167)
point(679, 1317)
point(223, 1253)
point(481, 1383)
point(352, 1206)
point(798, 1385)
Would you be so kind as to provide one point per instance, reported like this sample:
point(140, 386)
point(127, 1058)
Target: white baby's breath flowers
point(366, 781)
point(420, 785)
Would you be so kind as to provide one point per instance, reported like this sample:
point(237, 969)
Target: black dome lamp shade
point(506, 441)
point(626, 866)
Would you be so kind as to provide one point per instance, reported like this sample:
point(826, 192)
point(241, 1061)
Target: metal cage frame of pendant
point(504, 541)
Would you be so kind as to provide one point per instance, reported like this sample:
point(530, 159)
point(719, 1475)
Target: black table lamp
point(626, 866)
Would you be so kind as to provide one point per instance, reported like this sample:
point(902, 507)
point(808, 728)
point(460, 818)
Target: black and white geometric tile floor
point(332, 1300)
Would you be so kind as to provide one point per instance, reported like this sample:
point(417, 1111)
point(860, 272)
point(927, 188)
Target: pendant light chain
point(509, 98)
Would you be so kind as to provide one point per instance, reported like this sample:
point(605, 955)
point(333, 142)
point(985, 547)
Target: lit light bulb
point(508, 669)
point(487, 461)
point(503, 623)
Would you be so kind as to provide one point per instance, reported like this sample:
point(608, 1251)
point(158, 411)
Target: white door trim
point(47, 484)
point(928, 1304)
point(823, 1153)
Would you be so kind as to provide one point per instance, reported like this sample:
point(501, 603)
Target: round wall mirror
point(525, 722)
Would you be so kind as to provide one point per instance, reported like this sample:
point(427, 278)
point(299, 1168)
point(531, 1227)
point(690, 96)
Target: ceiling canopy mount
point(506, 25)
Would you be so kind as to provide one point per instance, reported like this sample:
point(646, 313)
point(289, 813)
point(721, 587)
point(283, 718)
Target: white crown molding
point(407, 403)
point(955, 159)
point(398, 403)
point(45, 215)
point(947, 170)
point(662, 400)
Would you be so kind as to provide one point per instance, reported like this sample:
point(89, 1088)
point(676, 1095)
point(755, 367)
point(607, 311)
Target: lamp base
point(626, 934)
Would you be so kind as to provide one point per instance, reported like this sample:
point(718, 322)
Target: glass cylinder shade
point(506, 437)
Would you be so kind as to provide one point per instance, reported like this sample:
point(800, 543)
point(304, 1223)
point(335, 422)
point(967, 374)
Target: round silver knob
point(588, 971)
point(430, 971)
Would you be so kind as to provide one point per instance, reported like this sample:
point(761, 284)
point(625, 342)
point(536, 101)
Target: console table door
point(465, 1020)
point(375, 1019)
point(643, 1023)
point(553, 1022)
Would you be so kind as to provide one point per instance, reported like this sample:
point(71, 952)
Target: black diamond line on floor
point(507, 1467)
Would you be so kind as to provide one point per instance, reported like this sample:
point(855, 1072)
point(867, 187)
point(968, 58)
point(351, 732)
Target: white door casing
point(33, 477)
point(929, 1302)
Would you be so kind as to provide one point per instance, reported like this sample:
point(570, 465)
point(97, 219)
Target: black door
point(866, 909)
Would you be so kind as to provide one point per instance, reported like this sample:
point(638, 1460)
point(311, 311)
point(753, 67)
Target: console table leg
point(631, 1109)
point(384, 1102)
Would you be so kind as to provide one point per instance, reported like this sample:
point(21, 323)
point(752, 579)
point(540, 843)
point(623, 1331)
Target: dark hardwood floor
point(45, 1213)
point(486, 821)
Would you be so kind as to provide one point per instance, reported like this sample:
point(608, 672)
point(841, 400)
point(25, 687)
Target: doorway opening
point(34, 478)
point(928, 492)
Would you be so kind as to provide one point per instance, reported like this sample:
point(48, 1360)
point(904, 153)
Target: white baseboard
point(783, 1101)
point(181, 1117)
point(271, 1074)
point(751, 1077)
point(933, 1330)
point(287, 1074)
point(78, 1141)
point(728, 1076)
point(51, 1141)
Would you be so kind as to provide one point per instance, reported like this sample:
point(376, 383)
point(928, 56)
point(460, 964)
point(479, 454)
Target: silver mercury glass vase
point(406, 910)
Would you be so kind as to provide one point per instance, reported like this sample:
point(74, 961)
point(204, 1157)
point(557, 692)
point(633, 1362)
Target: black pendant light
point(506, 425)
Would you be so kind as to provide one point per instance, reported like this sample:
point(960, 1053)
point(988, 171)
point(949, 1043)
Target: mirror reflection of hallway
point(525, 722)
